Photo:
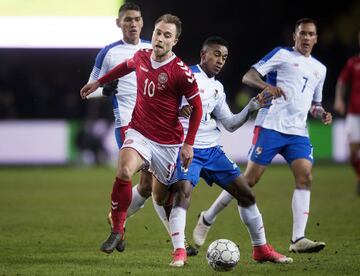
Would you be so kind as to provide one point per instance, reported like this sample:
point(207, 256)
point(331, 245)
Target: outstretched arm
point(232, 123)
point(120, 70)
point(339, 104)
point(253, 79)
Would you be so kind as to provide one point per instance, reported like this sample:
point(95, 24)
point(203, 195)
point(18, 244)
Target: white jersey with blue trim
point(301, 78)
point(214, 104)
point(110, 56)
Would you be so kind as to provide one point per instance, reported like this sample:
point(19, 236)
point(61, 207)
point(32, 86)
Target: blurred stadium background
point(48, 48)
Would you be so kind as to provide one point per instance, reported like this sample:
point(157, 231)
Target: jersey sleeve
point(131, 62)
point(187, 82)
point(269, 62)
point(222, 109)
point(345, 74)
point(319, 88)
point(101, 65)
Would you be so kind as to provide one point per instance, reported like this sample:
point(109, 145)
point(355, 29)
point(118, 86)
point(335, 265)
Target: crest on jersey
point(258, 150)
point(163, 78)
point(317, 75)
point(216, 94)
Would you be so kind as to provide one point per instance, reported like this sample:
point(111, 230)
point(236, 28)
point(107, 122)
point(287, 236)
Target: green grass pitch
point(53, 220)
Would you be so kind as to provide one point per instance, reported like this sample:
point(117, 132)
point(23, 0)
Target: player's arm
point(187, 153)
point(254, 79)
point(107, 90)
point(319, 113)
point(118, 71)
point(341, 87)
point(232, 122)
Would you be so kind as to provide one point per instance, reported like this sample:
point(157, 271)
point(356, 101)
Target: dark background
point(45, 83)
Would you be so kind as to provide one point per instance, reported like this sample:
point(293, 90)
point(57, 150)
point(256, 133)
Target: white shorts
point(160, 158)
point(352, 126)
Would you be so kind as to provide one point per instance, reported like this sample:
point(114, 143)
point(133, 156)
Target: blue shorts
point(212, 165)
point(267, 143)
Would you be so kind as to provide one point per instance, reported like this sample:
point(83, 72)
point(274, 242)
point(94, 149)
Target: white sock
point(177, 227)
point(300, 208)
point(137, 202)
point(162, 215)
point(219, 204)
point(252, 218)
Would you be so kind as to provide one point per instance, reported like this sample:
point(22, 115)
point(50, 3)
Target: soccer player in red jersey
point(155, 133)
point(350, 78)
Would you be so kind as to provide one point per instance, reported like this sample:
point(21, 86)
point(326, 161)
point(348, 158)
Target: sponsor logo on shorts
point(258, 150)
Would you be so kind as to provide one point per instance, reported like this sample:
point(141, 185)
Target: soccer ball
point(223, 255)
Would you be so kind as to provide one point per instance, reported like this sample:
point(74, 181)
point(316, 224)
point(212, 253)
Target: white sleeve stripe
point(193, 96)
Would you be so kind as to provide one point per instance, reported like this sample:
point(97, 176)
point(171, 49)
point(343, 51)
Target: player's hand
point(275, 92)
point(185, 111)
point(326, 118)
point(89, 88)
point(263, 99)
point(186, 155)
point(110, 88)
point(339, 106)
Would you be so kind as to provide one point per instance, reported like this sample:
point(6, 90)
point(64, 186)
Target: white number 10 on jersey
point(149, 88)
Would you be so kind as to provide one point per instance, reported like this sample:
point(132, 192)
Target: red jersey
point(160, 90)
point(350, 75)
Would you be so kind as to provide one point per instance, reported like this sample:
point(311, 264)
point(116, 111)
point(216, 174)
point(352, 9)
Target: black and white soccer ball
point(223, 255)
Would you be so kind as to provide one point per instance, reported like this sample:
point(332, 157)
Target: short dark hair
point(214, 39)
point(128, 6)
point(172, 19)
point(305, 20)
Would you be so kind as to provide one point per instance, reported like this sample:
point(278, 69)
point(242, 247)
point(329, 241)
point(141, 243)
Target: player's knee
point(125, 173)
point(144, 188)
point(246, 199)
point(252, 180)
point(182, 194)
point(160, 200)
point(305, 180)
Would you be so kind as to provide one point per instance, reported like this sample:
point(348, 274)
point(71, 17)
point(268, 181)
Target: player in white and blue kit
point(210, 162)
point(281, 127)
point(130, 22)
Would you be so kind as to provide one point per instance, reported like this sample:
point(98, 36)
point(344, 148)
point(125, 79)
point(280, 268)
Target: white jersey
point(301, 78)
point(213, 100)
point(110, 56)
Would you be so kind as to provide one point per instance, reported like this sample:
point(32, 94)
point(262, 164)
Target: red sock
point(120, 202)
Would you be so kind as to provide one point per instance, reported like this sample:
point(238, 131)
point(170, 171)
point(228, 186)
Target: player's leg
point(207, 217)
point(164, 165)
point(140, 192)
point(252, 218)
point(299, 155)
point(129, 162)
point(352, 126)
point(253, 173)
point(177, 221)
point(132, 157)
point(164, 215)
point(355, 162)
